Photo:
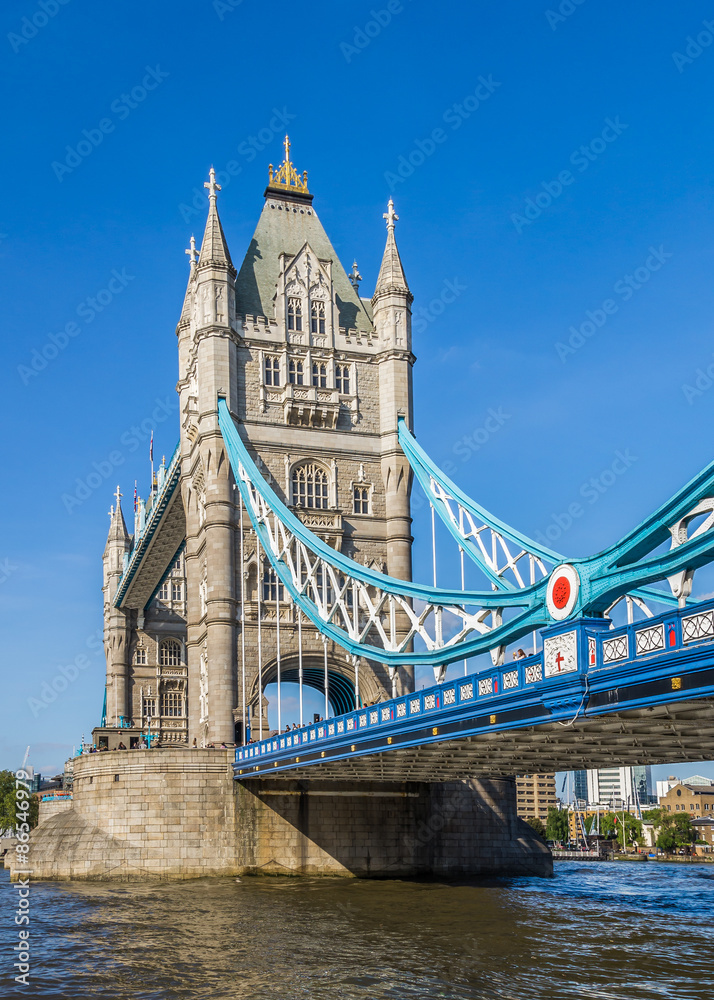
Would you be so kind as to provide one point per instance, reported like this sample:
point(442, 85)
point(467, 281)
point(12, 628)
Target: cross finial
point(355, 277)
point(390, 215)
point(192, 252)
point(211, 184)
point(118, 496)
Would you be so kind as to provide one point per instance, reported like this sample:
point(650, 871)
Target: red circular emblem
point(561, 592)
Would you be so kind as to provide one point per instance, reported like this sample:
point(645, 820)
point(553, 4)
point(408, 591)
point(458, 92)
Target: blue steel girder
point(606, 577)
point(379, 617)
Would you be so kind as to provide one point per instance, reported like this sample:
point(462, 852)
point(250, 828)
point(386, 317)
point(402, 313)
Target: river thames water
point(608, 930)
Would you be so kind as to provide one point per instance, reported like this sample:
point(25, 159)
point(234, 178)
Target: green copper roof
point(285, 225)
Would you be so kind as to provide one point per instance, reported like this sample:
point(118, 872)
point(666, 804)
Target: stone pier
point(179, 814)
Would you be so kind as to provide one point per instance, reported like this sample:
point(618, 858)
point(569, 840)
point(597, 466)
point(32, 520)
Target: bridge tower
point(315, 377)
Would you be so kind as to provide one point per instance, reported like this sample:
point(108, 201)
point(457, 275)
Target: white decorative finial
point(192, 252)
point(391, 216)
point(111, 512)
point(211, 184)
point(118, 496)
point(355, 277)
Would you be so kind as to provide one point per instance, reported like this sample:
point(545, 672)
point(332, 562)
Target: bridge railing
point(670, 631)
point(524, 675)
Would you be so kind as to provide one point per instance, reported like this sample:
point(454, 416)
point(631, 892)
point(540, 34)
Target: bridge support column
point(385, 829)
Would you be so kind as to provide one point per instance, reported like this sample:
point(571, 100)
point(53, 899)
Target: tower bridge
point(275, 547)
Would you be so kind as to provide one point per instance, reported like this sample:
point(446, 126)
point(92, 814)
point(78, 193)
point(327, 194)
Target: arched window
point(170, 653)
point(317, 317)
point(296, 372)
point(310, 487)
point(319, 375)
point(342, 379)
point(294, 314)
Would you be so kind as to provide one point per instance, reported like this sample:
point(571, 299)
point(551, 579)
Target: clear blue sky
point(513, 94)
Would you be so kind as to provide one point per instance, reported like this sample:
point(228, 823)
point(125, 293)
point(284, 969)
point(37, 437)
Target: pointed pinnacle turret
point(117, 525)
point(391, 273)
point(214, 249)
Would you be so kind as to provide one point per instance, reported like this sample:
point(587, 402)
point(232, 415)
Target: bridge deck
point(642, 693)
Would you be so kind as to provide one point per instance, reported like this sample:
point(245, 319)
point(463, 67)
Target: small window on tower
point(163, 594)
point(342, 379)
point(296, 372)
point(360, 500)
point(141, 656)
point(317, 317)
point(319, 375)
point(272, 370)
point(294, 314)
point(272, 589)
point(177, 591)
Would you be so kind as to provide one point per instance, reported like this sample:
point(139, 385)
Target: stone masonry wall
point(179, 814)
point(139, 813)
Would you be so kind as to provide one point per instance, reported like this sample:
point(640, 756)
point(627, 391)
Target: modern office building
point(535, 795)
point(618, 787)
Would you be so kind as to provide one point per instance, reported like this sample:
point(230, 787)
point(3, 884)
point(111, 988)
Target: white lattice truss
point(498, 551)
point(369, 615)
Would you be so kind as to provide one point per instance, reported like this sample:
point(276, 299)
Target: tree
point(611, 827)
point(676, 832)
point(556, 826)
point(538, 825)
point(9, 805)
point(653, 815)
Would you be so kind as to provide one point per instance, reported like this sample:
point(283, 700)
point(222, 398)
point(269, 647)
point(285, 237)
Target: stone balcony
point(307, 406)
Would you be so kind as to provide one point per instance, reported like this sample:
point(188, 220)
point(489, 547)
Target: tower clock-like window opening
point(319, 375)
point(360, 500)
point(272, 588)
point(310, 487)
point(294, 314)
point(272, 370)
point(296, 373)
point(170, 653)
point(342, 379)
point(317, 317)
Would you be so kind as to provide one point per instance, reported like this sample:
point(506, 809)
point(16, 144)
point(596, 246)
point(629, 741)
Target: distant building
point(535, 795)
point(580, 786)
point(704, 826)
point(697, 800)
point(663, 787)
point(618, 787)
